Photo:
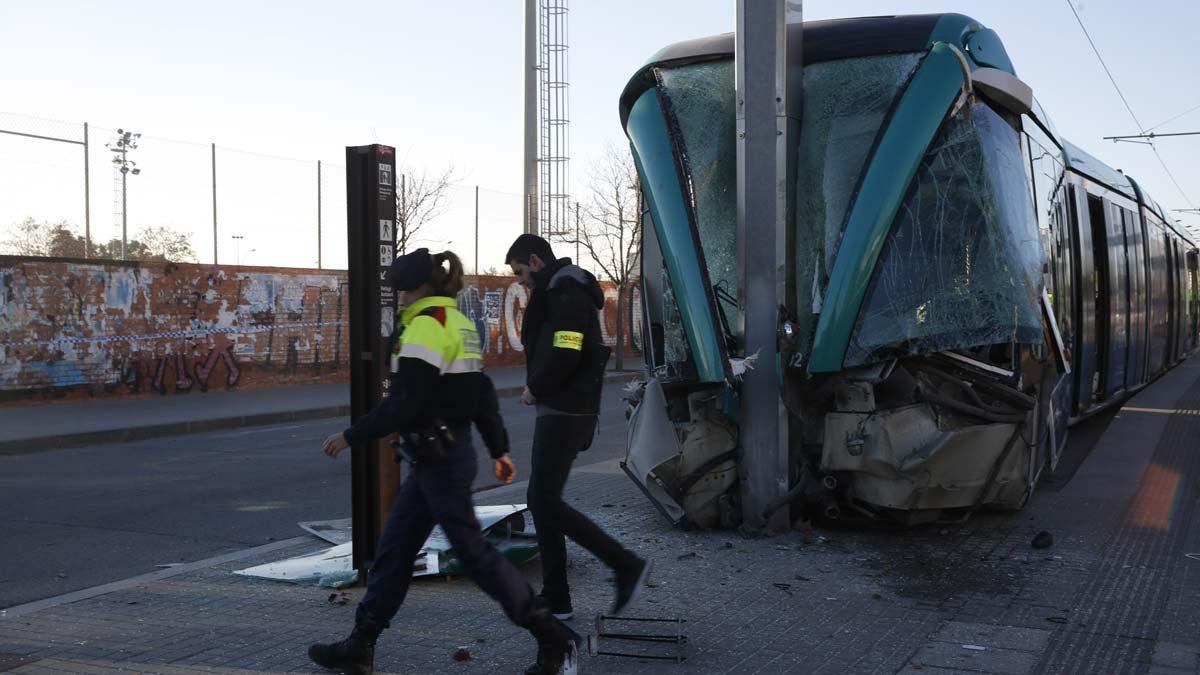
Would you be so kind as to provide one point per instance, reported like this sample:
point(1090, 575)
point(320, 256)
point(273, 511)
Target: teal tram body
point(968, 283)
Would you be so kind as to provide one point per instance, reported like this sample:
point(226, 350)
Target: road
point(73, 519)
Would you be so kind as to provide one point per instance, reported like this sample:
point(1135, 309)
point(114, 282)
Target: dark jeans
point(440, 493)
point(556, 441)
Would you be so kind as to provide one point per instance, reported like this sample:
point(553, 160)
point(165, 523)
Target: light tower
point(122, 167)
point(546, 205)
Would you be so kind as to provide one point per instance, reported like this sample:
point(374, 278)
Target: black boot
point(630, 581)
point(554, 640)
point(355, 655)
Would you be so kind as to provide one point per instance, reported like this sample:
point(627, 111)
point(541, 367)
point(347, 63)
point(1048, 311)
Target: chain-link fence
point(231, 206)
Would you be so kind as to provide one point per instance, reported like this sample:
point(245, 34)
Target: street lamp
point(120, 146)
point(238, 238)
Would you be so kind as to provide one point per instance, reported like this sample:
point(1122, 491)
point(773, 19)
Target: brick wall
point(74, 328)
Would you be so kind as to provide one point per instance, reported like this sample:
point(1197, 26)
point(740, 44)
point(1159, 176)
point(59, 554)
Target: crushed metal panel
point(652, 443)
point(683, 466)
point(901, 459)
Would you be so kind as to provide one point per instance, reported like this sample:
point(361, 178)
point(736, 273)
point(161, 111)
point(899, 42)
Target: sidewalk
point(77, 423)
point(1115, 593)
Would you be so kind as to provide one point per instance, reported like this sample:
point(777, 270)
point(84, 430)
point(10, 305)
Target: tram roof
point(825, 40)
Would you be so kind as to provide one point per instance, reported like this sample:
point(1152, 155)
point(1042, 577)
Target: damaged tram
point(968, 283)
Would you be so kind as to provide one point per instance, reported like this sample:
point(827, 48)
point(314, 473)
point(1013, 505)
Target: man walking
point(565, 362)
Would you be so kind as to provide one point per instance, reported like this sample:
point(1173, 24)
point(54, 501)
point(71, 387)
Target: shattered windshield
point(701, 98)
point(845, 103)
point(961, 266)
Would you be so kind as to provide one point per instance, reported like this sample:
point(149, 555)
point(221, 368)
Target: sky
point(277, 89)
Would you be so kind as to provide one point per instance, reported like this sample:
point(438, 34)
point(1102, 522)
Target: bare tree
point(62, 240)
point(163, 243)
point(30, 237)
point(611, 230)
point(419, 199)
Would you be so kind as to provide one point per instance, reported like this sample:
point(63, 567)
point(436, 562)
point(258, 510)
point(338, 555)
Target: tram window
point(676, 354)
point(845, 103)
point(1101, 285)
point(962, 264)
point(701, 98)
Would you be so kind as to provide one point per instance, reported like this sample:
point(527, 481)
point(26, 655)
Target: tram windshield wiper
point(723, 296)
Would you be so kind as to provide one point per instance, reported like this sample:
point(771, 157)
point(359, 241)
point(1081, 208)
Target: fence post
point(318, 214)
point(214, 185)
point(476, 229)
point(87, 198)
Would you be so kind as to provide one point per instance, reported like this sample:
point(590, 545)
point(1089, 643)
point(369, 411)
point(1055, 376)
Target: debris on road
point(663, 641)
point(503, 525)
point(1043, 540)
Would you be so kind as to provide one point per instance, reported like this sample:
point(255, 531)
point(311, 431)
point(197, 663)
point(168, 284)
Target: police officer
point(565, 361)
point(437, 389)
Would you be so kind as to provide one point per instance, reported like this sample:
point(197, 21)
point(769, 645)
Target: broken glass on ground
point(503, 525)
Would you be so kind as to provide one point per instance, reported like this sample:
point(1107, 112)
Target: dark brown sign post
point(371, 230)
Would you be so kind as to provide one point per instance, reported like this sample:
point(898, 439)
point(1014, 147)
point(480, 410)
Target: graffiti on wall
point(69, 328)
point(112, 328)
point(497, 306)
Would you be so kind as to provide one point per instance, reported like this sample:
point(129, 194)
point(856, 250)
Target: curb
point(29, 446)
point(103, 589)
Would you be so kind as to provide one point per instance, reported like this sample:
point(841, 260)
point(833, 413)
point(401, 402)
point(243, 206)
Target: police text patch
point(566, 339)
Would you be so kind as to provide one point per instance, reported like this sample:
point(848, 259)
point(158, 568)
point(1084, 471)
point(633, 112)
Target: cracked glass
point(962, 264)
point(845, 103)
point(701, 97)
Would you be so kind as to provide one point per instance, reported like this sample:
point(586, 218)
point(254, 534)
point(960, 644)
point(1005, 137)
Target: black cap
point(411, 270)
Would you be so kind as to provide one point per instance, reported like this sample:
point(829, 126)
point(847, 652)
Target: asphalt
point(73, 424)
point(81, 517)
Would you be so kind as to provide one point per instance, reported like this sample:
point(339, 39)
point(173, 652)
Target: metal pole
point(761, 49)
point(576, 233)
point(214, 190)
point(87, 198)
point(124, 210)
point(318, 214)
point(402, 242)
point(529, 216)
point(476, 229)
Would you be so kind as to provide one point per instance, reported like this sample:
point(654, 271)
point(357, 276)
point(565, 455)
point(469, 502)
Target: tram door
point(1102, 326)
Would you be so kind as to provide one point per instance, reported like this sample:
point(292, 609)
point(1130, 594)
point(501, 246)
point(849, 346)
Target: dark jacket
point(565, 354)
point(437, 372)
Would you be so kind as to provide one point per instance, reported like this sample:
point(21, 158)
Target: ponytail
point(446, 282)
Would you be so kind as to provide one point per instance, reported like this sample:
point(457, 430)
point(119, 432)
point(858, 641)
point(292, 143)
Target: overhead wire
point(1161, 124)
point(1121, 94)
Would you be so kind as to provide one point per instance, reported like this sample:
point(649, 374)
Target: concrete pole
point(761, 46)
point(87, 198)
point(529, 210)
point(214, 190)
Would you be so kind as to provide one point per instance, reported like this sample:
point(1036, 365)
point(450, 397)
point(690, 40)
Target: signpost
point(371, 233)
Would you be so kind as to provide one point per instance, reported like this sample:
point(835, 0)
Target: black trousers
point(440, 493)
point(557, 439)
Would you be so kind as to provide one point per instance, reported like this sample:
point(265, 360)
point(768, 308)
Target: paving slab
point(1115, 593)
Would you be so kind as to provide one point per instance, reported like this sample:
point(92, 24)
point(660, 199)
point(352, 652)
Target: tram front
point(919, 366)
